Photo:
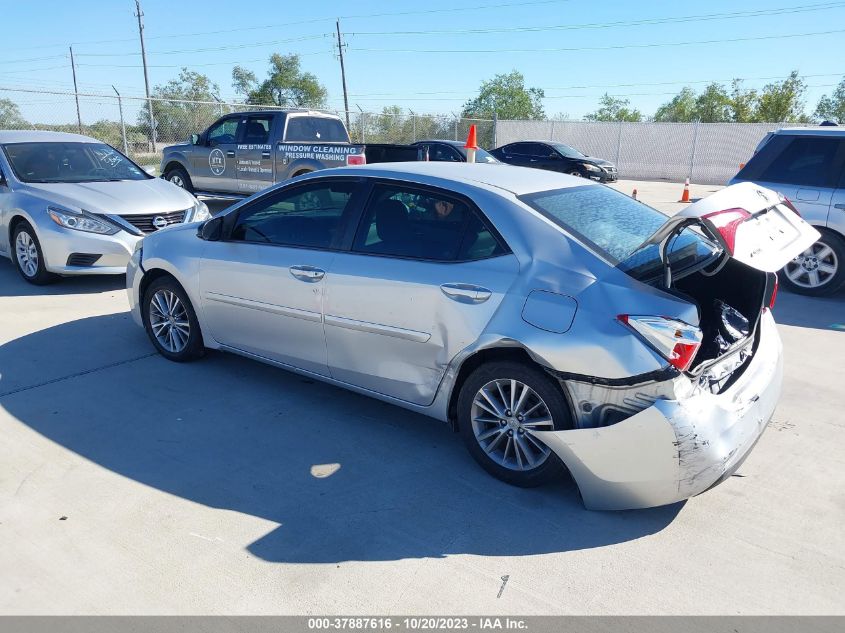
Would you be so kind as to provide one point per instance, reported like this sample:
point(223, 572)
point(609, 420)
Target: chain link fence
point(124, 122)
point(706, 153)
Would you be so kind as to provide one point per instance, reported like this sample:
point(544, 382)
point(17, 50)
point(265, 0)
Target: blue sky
point(390, 62)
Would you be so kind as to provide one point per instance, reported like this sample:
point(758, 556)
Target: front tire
point(499, 406)
point(820, 270)
point(28, 256)
point(170, 321)
point(180, 178)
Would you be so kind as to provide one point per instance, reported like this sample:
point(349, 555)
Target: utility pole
point(75, 92)
point(343, 74)
point(140, 15)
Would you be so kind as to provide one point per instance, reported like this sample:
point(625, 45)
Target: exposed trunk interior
point(740, 288)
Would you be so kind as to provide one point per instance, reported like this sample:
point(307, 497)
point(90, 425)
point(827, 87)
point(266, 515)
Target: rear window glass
point(801, 160)
point(615, 226)
point(313, 129)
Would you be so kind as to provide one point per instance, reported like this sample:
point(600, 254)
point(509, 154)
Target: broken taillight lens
point(356, 159)
point(676, 341)
point(726, 223)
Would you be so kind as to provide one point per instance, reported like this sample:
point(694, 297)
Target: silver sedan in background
point(71, 205)
point(555, 323)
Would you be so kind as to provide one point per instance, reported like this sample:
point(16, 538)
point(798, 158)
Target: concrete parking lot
point(132, 485)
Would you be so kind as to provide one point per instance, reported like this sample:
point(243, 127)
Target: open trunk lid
point(755, 226)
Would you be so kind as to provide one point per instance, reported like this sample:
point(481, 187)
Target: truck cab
point(245, 152)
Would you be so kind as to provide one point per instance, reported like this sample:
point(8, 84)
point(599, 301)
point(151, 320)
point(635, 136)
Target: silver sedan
point(555, 323)
point(71, 205)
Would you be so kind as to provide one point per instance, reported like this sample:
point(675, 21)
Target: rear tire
point(179, 177)
point(170, 321)
point(496, 415)
point(820, 270)
point(28, 256)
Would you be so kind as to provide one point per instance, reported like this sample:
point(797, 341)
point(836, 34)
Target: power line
point(228, 63)
point(603, 25)
point(485, 7)
point(213, 48)
point(595, 48)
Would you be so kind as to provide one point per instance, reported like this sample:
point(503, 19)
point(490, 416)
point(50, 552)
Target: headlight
point(81, 221)
point(591, 167)
point(200, 212)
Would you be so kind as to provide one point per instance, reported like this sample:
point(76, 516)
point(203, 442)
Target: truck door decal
point(217, 162)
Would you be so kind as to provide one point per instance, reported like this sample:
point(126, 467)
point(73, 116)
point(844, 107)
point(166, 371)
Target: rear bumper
point(675, 449)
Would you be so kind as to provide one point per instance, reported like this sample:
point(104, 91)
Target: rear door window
point(424, 224)
point(803, 161)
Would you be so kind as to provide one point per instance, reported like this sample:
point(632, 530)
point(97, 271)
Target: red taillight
point(356, 159)
point(676, 341)
point(774, 294)
point(727, 222)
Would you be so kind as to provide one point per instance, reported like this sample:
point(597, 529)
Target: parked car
point(807, 165)
point(450, 151)
point(556, 157)
point(71, 205)
point(552, 321)
point(246, 152)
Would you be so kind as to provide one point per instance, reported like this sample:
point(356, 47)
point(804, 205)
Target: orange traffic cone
point(685, 195)
point(634, 195)
point(471, 144)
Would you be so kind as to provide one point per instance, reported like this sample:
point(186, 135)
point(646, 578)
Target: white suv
point(807, 166)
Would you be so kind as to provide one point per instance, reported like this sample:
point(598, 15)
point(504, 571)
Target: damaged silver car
point(558, 325)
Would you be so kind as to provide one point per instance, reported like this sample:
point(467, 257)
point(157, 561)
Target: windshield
point(615, 226)
point(315, 129)
point(70, 162)
point(481, 155)
point(568, 152)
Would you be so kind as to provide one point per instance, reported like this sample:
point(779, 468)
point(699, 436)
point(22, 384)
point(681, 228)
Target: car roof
point(812, 131)
point(43, 136)
point(447, 141)
point(298, 111)
point(517, 180)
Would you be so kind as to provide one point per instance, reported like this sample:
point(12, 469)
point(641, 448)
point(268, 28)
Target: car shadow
point(340, 476)
point(13, 285)
point(821, 313)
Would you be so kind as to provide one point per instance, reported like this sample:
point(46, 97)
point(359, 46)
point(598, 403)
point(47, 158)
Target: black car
point(450, 151)
point(556, 157)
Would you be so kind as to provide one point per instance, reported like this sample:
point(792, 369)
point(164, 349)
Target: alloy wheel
point(169, 321)
point(27, 254)
point(813, 268)
point(505, 413)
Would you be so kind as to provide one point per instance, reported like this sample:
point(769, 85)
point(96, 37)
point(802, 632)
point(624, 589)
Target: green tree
point(832, 107)
point(175, 106)
point(713, 105)
point(614, 109)
point(782, 102)
point(681, 108)
point(744, 103)
point(507, 97)
point(10, 116)
point(286, 85)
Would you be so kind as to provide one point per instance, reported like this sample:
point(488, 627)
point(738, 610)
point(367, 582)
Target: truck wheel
point(180, 178)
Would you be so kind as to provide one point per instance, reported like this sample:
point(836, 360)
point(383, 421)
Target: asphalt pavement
point(133, 485)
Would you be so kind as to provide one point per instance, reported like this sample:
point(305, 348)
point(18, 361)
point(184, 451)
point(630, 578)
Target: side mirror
point(195, 139)
point(211, 230)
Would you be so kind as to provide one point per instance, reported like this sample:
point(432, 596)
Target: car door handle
point(230, 152)
point(466, 293)
point(839, 206)
point(265, 154)
point(307, 273)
